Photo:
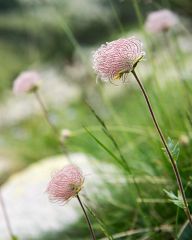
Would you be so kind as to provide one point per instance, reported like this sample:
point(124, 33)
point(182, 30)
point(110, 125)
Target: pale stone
point(31, 213)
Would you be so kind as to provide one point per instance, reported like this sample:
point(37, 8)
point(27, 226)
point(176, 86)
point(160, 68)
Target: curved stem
point(6, 217)
point(87, 218)
point(52, 126)
point(45, 112)
point(173, 163)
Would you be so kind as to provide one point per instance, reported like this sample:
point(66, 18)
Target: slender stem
point(87, 218)
point(52, 126)
point(45, 112)
point(6, 217)
point(173, 163)
point(176, 224)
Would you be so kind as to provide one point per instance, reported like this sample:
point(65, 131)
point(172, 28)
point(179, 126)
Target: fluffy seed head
point(65, 184)
point(160, 21)
point(115, 59)
point(26, 82)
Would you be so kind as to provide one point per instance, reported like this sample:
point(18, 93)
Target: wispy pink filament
point(26, 82)
point(113, 59)
point(65, 184)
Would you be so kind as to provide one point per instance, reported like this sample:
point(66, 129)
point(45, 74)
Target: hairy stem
point(87, 218)
point(173, 163)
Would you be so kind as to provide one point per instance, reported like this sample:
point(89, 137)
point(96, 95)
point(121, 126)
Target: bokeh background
point(57, 38)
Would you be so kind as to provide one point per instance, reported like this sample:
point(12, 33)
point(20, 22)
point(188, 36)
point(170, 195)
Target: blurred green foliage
point(50, 31)
point(34, 33)
point(8, 5)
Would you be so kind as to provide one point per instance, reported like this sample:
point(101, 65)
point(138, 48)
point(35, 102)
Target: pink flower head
point(26, 82)
point(160, 21)
point(65, 184)
point(112, 60)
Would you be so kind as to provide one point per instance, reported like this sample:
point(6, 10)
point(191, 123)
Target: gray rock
point(30, 212)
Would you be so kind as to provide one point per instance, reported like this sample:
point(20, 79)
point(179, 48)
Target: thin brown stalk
point(87, 218)
point(173, 163)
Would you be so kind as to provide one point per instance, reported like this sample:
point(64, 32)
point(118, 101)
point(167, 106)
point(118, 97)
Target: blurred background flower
point(160, 21)
point(26, 82)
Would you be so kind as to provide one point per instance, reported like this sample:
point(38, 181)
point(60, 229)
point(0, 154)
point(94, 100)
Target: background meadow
point(57, 38)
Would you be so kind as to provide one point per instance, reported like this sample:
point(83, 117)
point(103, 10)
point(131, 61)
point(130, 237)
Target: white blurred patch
point(31, 214)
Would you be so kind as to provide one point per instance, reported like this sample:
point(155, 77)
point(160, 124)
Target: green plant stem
point(87, 218)
point(121, 160)
point(45, 112)
point(138, 14)
point(176, 223)
point(51, 125)
point(102, 225)
point(115, 144)
point(115, 14)
point(6, 217)
point(173, 163)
